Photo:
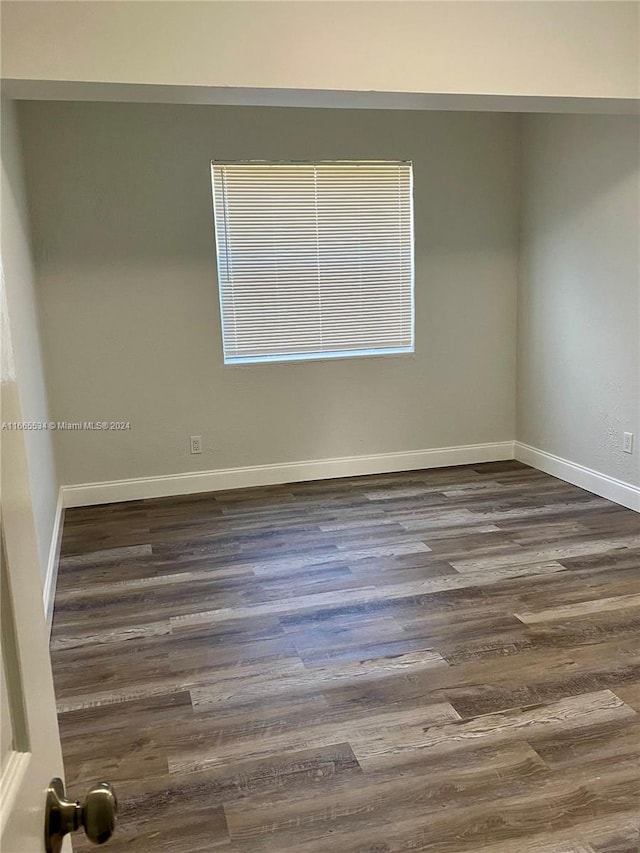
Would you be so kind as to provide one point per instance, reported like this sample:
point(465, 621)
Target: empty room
point(320, 423)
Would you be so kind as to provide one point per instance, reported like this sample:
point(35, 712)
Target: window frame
point(319, 355)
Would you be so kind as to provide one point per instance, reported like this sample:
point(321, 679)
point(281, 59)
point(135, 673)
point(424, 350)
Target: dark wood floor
point(440, 661)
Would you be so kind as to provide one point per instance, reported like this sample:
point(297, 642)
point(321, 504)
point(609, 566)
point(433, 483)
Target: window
point(315, 260)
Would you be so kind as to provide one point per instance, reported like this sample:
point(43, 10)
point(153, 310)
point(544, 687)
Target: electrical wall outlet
point(196, 443)
point(627, 442)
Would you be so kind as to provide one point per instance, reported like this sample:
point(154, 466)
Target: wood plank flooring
point(443, 661)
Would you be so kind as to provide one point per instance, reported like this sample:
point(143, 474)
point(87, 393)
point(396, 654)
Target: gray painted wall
point(19, 279)
point(121, 211)
point(579, 297)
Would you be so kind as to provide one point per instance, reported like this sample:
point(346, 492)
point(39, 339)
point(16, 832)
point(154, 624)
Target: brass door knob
point(97, 814)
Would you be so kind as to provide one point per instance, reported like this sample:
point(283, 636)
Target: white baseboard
point(89, 494)
point(578, 475)
point(51, 577)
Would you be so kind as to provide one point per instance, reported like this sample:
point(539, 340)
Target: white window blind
point(314, 260)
